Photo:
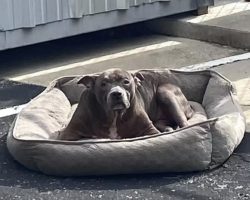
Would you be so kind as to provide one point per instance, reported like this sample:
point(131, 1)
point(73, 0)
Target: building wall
point(15, 14)
point(26, 22)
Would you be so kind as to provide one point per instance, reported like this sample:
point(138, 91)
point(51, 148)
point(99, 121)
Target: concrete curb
point(207, 33)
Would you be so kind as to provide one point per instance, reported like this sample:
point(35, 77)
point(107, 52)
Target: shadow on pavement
point(13, 93)
point(67, 50)
point(244, 147)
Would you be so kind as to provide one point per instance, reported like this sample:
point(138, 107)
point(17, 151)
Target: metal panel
point(132, 2)
point(76, 8)
point(16, 14)
point(39, 13)
point(59, 12)
point(53, 10)
point(3, 41)
point(139, 2)
point(6, 15)
point(122, 4)
point(24, 17)
point(98, 6)
point(111, 4)
point(90, 23)
point(158, 0)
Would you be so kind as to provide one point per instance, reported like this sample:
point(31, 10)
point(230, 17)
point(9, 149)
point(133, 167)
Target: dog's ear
point(138, 77)
point(88, 81)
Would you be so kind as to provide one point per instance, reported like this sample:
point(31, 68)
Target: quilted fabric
point(216, 129)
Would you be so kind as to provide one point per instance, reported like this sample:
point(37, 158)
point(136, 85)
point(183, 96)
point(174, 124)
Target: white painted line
point(11, 111)
point(97, 60)
point(215, 63)
point(221, 11)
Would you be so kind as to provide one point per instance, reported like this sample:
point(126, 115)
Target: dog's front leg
point(146, 125)
point(172, 102)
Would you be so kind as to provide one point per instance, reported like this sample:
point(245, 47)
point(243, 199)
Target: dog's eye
point(126, 82)
point(103, 84)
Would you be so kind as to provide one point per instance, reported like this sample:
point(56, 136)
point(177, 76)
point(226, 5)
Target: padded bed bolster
point(44, 116)
point(215, 130)
point(220, 101)
point(148, 155)
point(193, 84)
point(139, 155)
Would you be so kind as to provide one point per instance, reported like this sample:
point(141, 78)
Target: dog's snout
point(118, 99)
point(116, 94)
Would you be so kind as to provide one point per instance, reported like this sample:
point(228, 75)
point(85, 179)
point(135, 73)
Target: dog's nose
point(116, 94)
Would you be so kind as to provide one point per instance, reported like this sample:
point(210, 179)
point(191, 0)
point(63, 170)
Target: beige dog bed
point(216, 130)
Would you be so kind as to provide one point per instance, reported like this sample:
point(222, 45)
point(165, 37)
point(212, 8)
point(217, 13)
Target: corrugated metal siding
point(41, 13)
point(16, 14)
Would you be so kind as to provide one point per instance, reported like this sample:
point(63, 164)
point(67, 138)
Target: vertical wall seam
point(10, 4)
point(90, 7)
point(106, 5)
point(42, 11)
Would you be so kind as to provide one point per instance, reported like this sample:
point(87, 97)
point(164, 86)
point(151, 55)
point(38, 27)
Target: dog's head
point(114, 89)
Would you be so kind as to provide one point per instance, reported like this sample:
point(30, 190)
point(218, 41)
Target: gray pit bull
point(117, 104)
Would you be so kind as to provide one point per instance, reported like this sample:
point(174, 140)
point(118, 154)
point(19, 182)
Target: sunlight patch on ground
point(221, 11)
point(98, 59)
point(243, 91)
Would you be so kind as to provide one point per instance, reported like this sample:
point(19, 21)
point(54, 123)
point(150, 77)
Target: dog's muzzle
point(118, 98)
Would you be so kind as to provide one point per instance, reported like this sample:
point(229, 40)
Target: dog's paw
point(168, 129)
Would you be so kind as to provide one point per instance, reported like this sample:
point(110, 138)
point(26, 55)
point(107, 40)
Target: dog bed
point(216, 129)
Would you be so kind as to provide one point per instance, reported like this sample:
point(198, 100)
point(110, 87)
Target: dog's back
point(148, 91)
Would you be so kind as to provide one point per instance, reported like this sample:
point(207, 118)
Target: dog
point(117, 104)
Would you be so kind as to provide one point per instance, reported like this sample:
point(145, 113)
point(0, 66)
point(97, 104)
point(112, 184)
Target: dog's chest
point(113, 133)
point(113, 129)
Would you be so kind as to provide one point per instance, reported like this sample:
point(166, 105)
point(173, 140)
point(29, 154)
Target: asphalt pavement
point(25, 72)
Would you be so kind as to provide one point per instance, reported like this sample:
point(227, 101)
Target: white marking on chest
point(113, 129)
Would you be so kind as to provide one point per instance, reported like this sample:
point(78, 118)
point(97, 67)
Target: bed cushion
point(215, 130)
